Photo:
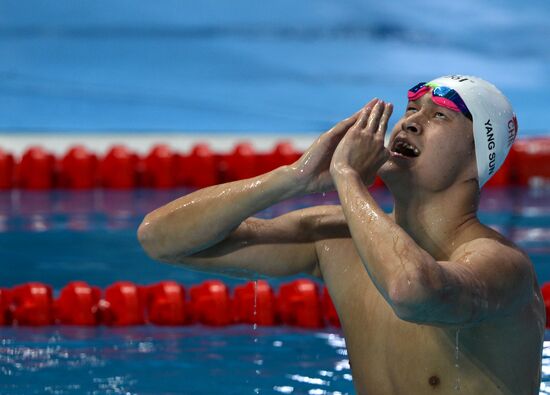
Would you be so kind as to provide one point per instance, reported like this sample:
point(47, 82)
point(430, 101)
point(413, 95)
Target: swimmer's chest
point(363, 311)
point(385, 351)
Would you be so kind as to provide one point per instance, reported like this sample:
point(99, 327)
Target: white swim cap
point(494, 122)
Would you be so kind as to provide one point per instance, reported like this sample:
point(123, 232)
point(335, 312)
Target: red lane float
point(78, 169)
point(78, 304)
point(528, 165)
point(199, 169)
point(254, 303)
point(166, 304)
point(32, 304)
point(545, 290)
point(160, 168)
point(119, 168)
point(505, 174)
point(37, 169)
point(211, 304)
point(124, 304)
point(7, 169)
point(531, 162)
point(284, 154)
point(5, 301)
point(242, 163)
point(299, 304)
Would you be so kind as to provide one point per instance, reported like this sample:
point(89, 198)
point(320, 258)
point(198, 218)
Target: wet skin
point(389, 355)
point(406, 285)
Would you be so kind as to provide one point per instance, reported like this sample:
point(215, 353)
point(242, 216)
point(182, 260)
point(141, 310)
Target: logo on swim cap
point(494, 123)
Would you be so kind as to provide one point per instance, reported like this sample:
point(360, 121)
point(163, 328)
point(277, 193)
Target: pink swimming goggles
point(442, 96)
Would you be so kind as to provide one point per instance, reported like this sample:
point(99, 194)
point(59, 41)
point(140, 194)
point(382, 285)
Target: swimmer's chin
point(395, 171)
point(396, 163)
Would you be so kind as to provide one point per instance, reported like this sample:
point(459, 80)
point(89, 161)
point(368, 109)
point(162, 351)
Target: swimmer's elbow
point(147, 240)
point(409, 299)
point(150, 241)
point(158, 246)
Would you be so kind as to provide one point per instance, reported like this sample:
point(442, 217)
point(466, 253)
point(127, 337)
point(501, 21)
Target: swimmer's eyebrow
point(415, 102)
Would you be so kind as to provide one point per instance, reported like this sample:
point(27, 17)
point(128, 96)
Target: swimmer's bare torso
point(408, 287)
point(392, 356)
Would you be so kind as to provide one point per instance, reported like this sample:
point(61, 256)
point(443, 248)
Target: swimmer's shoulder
point(485, 240)
point(506, 266)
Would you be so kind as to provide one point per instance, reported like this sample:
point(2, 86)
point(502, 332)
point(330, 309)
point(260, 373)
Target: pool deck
point(58, 143)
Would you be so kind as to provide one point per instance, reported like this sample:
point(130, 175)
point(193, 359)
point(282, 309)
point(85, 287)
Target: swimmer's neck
point(437, 221)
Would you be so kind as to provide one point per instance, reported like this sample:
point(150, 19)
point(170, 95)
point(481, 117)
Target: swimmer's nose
point(412, 127)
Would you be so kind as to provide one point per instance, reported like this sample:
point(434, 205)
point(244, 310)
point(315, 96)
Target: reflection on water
point(119, 209)
point(171, 360)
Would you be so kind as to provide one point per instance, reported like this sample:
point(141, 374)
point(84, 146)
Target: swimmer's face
point(431, 146)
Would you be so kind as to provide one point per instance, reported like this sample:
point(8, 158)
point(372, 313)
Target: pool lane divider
point(300, 303)
point(528, 164)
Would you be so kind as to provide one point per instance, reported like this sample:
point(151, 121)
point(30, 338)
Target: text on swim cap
point(490, 146)
point(459, 78)
point(512, 130)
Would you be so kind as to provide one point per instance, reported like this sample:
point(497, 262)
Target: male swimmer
point(408, 286)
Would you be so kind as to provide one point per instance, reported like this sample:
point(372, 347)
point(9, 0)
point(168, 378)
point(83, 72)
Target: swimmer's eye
point(409, 109)
point(439, 114)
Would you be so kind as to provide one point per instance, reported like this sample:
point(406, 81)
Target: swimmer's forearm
point(205, 217)
point(391, 257)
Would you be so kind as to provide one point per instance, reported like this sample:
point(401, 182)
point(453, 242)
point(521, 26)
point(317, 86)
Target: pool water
point(288, 66)
point(59, 236)
point(180, 360)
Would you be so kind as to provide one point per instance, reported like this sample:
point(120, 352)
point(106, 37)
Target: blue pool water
point(185, 360)
point(286, 66)
point(59, 236)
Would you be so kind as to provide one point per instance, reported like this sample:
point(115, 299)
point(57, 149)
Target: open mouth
point(404, 148)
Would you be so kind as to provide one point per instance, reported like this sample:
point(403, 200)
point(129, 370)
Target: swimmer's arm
point(487, 279)
point(211, 230)
point(201, 219)
point(200, 223)
point(421, 289)
point(281, 246)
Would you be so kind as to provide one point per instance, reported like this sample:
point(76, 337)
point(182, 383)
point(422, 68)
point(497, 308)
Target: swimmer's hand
point(362, 148)
point(312, 170)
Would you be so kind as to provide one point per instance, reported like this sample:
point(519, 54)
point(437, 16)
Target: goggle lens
point(442, 96)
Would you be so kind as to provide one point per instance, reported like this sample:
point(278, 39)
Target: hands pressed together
point(354, 144)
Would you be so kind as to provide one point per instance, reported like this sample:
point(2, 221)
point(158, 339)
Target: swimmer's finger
point(375, 115)
point(365, 113)
point(362, 119)
point(383, 125)
point(355, 117)
point(369, 105)
point(343, 126)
